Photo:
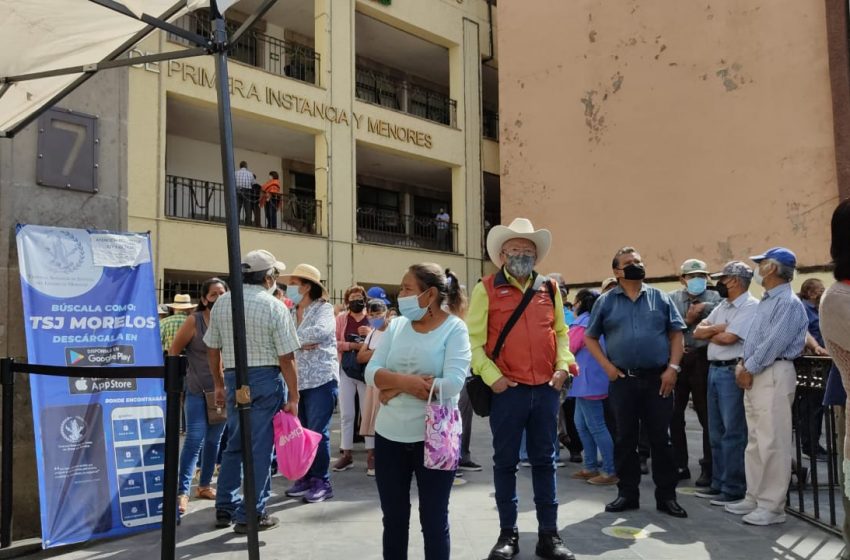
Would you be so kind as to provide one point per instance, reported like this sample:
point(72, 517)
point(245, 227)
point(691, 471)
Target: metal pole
point(7, 380)
point(174, 367)
point(234, 259)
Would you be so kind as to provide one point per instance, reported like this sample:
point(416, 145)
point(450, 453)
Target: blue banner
point(89, 300)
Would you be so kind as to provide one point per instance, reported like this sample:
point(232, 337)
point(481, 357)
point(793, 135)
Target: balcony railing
point(490, 124)
point(194, 199)
point(268, 53)
point(401, 230)
point(387, 91)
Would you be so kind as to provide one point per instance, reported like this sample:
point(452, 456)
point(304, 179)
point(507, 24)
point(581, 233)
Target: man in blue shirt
point(769, 380)
point(643, 335)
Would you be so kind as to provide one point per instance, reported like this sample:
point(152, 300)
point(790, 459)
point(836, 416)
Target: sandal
point(182, 503)
point(206, 493)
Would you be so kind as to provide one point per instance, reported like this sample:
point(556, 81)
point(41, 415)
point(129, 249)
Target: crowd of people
point(609, 375)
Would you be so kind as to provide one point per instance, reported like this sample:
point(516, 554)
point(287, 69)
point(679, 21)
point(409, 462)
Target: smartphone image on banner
point(139, 454)
point(76, 481)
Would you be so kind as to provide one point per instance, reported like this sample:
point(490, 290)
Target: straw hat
point(305, 272)
point(520, 228)
point(181, 301)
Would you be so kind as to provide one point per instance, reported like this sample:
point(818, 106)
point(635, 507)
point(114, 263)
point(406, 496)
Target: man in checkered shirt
point(245, 180)
point(271, 340)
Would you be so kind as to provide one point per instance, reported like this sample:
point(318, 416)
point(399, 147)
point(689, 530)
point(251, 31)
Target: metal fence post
point(7, 380)
point(174, 367)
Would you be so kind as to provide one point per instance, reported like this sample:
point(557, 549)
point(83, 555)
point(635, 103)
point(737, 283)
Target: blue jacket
point(592, 381)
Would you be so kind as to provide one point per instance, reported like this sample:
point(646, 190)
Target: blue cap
point(778, 254)
point(377, 292)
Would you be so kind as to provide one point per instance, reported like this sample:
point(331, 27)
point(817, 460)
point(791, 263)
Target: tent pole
point(237, 301)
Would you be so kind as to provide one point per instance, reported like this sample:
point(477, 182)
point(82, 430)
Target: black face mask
point(722, 290)
point(357, 305)
point(634, 272)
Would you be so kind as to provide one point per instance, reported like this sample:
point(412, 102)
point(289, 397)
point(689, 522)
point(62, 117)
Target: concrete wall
point(685, 129)
point(22, 201)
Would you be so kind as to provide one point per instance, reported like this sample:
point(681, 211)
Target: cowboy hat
point(305, 272)
point(520, 228)
point(181, 301)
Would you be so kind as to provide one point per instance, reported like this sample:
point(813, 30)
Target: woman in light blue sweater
point(428, 345)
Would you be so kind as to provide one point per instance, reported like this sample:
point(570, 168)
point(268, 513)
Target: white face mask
point(757, 277)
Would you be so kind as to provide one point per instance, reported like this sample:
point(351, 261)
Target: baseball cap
point(377, 292)
point(693, 266)
point(260, 261)
point(734, 268)
point(778, 254)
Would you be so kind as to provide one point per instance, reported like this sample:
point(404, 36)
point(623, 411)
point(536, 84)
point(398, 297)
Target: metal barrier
point(814, 490)
point(401, 95)
point(402, 230)
point(172, 373)
point(195, 199)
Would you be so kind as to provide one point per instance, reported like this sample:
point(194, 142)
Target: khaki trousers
point(839, 445)
point(767, 459)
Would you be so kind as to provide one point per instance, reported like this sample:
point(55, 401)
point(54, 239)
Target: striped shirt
point(244, 178)
point(778, 331)
point(269, 329)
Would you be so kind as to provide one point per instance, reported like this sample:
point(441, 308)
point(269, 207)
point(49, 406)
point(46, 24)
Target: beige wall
point(685, 129)
point(186, 157)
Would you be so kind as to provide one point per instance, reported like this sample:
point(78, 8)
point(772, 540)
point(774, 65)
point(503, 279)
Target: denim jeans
point(727, 428)
point(315, 408)
point(535, 411)
point(590, 423)
point(267, 394)
point(395, 465)
point(199, 435)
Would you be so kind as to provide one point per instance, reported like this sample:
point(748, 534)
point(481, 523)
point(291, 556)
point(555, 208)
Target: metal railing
point(387, 91)
point(815, 494)
point(195, 199)
point(284, 58)
point(490, 124)
point(402, 230)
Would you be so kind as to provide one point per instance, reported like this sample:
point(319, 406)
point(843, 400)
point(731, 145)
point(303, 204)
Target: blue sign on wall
point(89, 300)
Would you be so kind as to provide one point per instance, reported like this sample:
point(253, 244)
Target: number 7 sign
point(67, 150)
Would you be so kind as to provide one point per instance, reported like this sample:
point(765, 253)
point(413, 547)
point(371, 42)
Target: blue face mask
point(293, 293)
point(696, 286)
point(409, 308)
point(377, 323)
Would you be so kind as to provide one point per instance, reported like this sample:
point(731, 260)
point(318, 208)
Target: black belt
point(643, 372)
point(723, 363)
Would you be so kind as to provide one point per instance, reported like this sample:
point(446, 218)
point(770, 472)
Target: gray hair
point(745, 282)
point(785, 272)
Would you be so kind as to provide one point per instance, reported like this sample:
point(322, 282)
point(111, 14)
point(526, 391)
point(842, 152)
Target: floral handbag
point(442, 434)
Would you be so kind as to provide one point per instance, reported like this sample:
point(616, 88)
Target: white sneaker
point(764, 517)
point(743, 507)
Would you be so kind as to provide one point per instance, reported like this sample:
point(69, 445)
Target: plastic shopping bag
point(295, 446)
point(442, 434)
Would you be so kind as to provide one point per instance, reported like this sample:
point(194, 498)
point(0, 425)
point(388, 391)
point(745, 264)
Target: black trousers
point(691, 382)
point(635, 402)
point(809, 405)
point(574, 441)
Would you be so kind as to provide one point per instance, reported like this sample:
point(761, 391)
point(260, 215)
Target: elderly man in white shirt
point(726, 328)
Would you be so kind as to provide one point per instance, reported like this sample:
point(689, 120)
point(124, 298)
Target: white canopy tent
point(48, 48)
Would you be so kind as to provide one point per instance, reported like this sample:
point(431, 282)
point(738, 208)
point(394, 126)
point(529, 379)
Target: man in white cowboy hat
point(525, 362)
point(271, 343)
point(178, 311)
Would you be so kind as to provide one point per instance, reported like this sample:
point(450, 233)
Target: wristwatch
point(678, 369)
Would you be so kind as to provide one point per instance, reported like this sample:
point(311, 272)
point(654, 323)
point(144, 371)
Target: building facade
point(711, 130)
point(371, 113)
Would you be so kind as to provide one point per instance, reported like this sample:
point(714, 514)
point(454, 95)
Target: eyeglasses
point(518, 253)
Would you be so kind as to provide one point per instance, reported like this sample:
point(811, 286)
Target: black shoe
point(684, 474)
point(622, 504)
point(671, 507)
point(264, 523)
point(551, 547)
point(469, 466)
point(507, 546)
point(644, 468)
point(704, 480)
point(575, 457)
point(223, 519)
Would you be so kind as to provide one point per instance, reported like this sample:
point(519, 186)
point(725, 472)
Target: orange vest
point(530, 350)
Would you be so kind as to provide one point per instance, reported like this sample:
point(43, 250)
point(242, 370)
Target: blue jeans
point(535, 411)
point(395, 465)
point(315, 408)
point(267, 395)
point(199, 435)
point(727, 428)
point(594, 434)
